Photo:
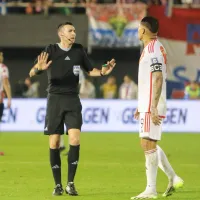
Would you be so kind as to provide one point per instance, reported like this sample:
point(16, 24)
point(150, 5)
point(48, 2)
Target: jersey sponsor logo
point(67, 58)
point(76, 70)
point(156, 67)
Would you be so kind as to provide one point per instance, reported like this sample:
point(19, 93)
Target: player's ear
point(143, 31)
point(60, 34)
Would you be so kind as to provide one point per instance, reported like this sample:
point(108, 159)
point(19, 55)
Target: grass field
point(111, 167)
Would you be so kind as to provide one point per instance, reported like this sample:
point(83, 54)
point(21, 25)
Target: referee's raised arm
point(41, 65)
point(105, 69)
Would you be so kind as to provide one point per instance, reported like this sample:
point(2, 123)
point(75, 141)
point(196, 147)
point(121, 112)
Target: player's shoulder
point(51, 48)
point(155, 47)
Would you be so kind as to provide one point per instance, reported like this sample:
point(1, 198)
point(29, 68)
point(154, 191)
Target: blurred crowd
point(27, 89)
point(191, 91)
point(88, 90)
point(128, 89)
point(74, 6)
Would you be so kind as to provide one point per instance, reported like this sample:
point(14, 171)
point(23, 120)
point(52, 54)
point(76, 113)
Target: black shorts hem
point(50, 133)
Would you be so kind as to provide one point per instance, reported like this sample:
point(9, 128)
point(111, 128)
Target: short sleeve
point(87, 66)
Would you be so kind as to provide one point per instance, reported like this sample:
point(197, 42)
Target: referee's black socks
point(56, 165)
point(73, 158)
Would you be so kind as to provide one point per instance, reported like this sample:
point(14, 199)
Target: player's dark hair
point(63, 24)
point(151, 23)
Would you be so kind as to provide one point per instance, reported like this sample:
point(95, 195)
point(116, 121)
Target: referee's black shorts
point(62, 110)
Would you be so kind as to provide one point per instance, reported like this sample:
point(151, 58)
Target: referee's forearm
point(35, 71)
point(95, 72)
point(32, 71)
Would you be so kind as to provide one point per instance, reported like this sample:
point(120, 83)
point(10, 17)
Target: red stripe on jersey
point(149, 47)
point(145, 122)
point(147, 125)
point(150, 97)
point(149, 121)
point(153, 45)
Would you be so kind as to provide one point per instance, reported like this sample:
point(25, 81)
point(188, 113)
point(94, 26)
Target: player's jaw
point(140, 33)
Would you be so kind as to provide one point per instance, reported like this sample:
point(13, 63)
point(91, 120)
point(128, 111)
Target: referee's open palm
point(110, 65)
point(42, 61)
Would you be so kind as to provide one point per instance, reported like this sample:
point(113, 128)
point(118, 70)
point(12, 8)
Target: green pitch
point(111, 167)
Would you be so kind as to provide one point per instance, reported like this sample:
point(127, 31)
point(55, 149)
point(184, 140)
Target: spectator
point(38, 6)
point(29, 9)
point(33, 89)
point(20, 88)
point(192, 91)
point(87, 90)
point(109, 89)
point(128, 89)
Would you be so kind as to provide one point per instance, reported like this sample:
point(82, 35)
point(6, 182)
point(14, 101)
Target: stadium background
point(107, 152)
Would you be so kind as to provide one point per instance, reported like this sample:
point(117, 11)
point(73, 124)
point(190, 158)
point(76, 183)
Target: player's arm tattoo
point(157, 81)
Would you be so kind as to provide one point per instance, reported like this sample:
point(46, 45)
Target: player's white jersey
point(153, 59)
point(4, 73)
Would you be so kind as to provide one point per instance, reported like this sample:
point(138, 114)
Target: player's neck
point(65, 44)
point(146, 41)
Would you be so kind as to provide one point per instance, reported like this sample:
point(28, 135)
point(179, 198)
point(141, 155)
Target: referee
point(63, 62)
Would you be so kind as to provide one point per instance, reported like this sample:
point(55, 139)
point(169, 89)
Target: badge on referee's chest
point(76, 70)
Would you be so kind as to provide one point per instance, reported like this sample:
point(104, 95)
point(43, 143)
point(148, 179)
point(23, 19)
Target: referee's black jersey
point(63, 73)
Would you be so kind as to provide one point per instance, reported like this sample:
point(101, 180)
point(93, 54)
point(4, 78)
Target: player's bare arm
point(41, 65)
point(157, 78)
point(106, 69)
point(7, 88)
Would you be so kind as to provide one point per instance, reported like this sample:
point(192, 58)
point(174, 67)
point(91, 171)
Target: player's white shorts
point(147, 129)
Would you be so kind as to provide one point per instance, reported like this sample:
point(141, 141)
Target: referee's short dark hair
point(63, 24)
point(151, 23)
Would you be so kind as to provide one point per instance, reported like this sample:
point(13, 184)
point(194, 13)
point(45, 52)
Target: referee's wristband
point(37, 71)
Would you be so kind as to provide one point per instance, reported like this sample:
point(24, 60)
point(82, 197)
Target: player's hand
point(42, 63)
point(136, 115)
point(9, 103)
point(108, 67)
point(154, 117)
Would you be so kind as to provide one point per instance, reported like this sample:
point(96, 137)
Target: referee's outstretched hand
point(42, 63)
point(109, 67)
